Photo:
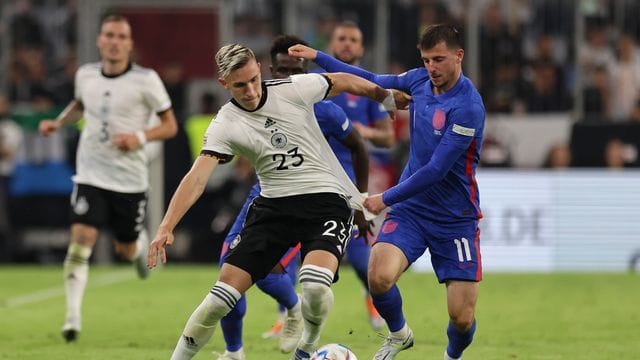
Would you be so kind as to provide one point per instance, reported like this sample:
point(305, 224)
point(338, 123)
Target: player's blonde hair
point(231, 57)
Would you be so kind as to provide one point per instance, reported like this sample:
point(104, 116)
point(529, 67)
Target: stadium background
point(557, 236)
point(553, 73)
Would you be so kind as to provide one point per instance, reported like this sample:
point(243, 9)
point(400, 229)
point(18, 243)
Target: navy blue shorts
point(454, 247)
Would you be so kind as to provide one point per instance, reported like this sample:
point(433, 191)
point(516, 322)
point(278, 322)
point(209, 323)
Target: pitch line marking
point(50, 293)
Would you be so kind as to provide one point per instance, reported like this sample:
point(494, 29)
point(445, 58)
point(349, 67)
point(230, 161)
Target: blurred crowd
point(530, 60)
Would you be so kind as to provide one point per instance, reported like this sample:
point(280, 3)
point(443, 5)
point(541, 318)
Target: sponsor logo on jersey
point(268, 123)
point(279, 140)
point(235, 241)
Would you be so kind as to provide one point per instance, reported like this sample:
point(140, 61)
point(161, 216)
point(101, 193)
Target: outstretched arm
point(457, 140)
point(189, 190)
point(433, 171)
point(341, 82)
point(331, 64)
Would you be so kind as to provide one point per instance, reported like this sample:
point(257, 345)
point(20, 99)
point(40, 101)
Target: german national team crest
point(439, 118)
point(279, 140)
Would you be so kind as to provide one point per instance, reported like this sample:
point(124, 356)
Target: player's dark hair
point(434, 34)
point(282, 43)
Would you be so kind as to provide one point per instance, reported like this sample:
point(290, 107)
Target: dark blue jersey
point(336, 126)
point(438, 181)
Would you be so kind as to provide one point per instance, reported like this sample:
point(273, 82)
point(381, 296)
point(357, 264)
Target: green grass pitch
point(520, 316)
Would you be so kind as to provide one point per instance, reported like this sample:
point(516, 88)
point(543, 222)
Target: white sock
point(447, 357)
point(76, 274)
point(200, 326)
point(295, 310)
point(402, 333)
point(317, 301)
point(142, 244)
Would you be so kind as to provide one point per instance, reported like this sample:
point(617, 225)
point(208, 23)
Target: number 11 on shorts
point(463, 249)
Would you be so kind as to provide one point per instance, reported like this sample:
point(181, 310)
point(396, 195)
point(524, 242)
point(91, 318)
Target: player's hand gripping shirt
point(112, 105)
point(282, 139)
point(438, 181)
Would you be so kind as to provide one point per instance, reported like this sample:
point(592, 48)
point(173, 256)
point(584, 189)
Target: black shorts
point(123, 213)
point(321, 221)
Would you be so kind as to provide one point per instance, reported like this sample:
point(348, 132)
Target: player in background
point(305, 196)
point(117, 99)
point(373, 124)
point(436, 203)
point(350, 149)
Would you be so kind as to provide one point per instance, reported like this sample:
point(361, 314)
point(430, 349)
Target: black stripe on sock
point(224, 295)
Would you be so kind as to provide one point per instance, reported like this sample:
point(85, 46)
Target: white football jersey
point(283, 140)
point(112, 105)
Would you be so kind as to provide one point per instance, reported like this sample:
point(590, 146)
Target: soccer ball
point(333, 352)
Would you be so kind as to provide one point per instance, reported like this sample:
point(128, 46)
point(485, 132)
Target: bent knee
point(463, 320)
point(380, 283)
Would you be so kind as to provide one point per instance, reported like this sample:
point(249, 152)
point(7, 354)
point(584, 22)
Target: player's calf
point(204, 320)
point(292, 328)
point(317, 301)
point(458, 340)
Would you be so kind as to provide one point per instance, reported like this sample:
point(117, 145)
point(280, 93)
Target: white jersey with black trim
point(116, 104)
point(283, 140)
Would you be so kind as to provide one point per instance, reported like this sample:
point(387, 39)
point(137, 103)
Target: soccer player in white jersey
point(305, 193)
point(117, 100)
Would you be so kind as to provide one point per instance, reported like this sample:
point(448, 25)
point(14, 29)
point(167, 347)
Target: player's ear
point(460, 55)
point(223, 82)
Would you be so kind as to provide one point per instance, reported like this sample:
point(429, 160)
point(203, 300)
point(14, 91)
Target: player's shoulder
point(470, 95)
point(293, 79)
point(416, 74)
point(90, 68)
point(306, 78)
point(226, 110)
point(277, 82)
point(141, 71)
